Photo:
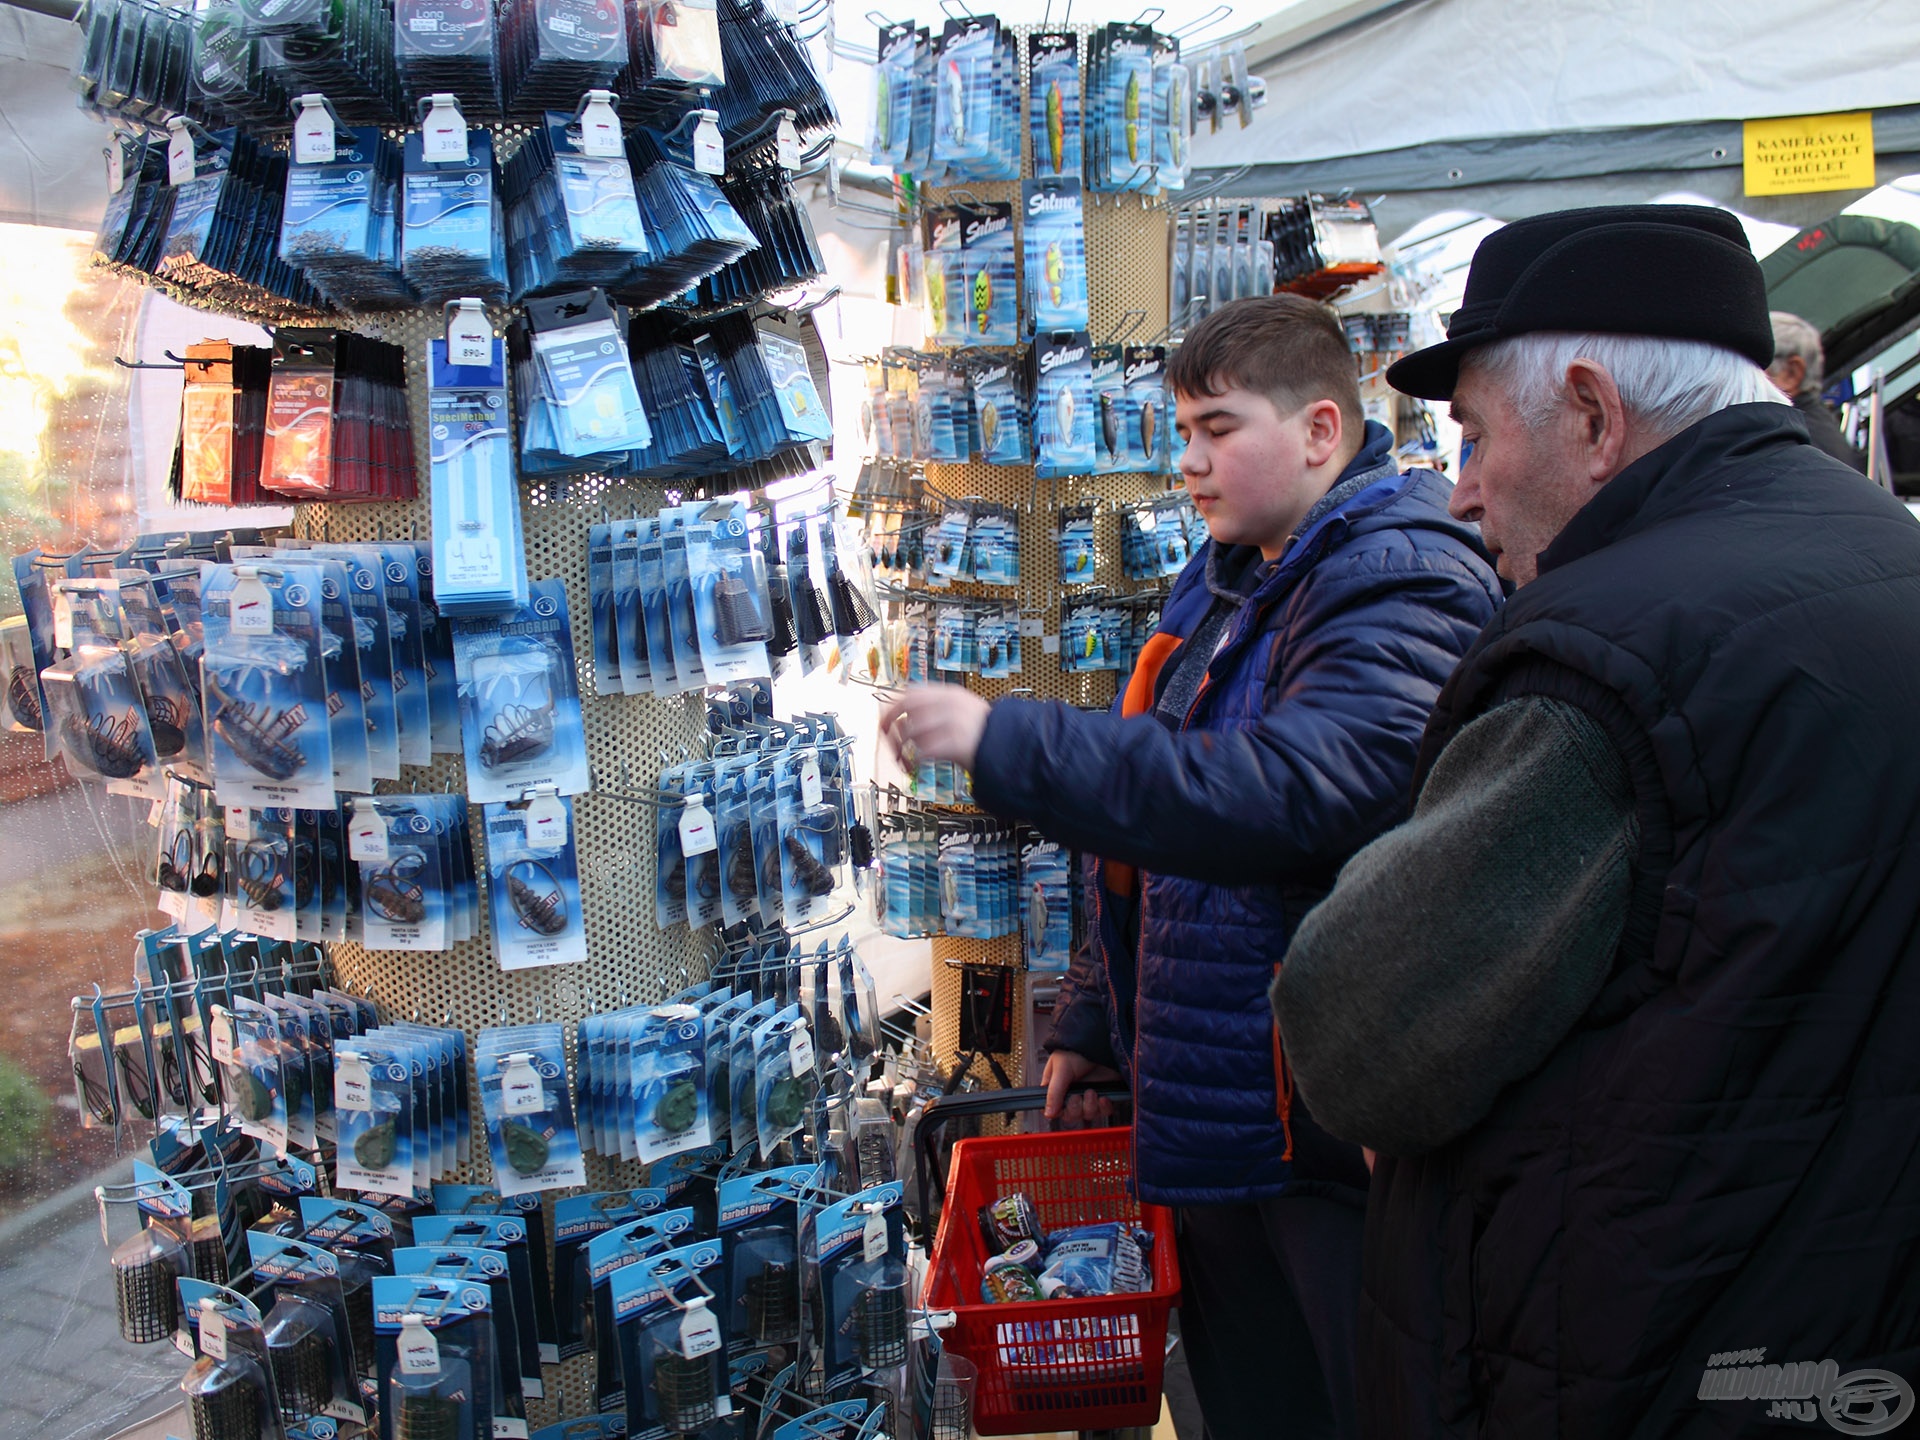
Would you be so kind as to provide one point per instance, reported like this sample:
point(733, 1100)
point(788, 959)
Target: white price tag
point(352, 1085)
point(873, 1239)
point(810, 781)
point(116, 167)
point(546, 822)
point(787, 12)
point(419, 1352)
point(469, 334)
point(179, 154)
point(313, 140)
point(367, 838)
point(699, 1329)
point(213, 1331)
point(709, 151)
point(238, 822)
point(696, 829)
point(220, 1035)
point(1033, 629)
point(800, 1049)
point(153, 815)
point(600, 126)
point(1050, 644)
point(252, 607)
point(786, 142)
point(443, 134)
point(521, 1092)
point(62, 619)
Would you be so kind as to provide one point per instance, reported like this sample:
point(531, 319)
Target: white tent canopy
point(1510, 109)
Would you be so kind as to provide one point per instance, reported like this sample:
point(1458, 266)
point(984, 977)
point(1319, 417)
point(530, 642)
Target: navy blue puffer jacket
point(1216, 839)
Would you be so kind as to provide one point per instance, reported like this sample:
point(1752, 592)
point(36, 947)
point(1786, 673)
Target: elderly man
point(1799, 368)
point(1628, 1007)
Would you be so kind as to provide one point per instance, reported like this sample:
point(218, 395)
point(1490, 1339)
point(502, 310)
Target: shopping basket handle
point(943, 1108)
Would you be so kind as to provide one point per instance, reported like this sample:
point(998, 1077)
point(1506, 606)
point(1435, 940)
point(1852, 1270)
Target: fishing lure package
point(530, 1126)
point(976, 103)
point(1000, 413)
point(1144, 425)
point(854, 1257)
point(729, 584)
point(1120, 108)
point(373, 1104)
point(264, 682)
point(1172, 114)
point(608, 1254)
point(670, 1113)
point(1063, 413)
point(586, 375)
point(435, 1360)
point(760, 1238)
point(893, 96)
point(1053, 103)
point(479, 548)
point(1076, 544)
point(533, 879)
point(992, 293)
point(452, 239)
point(308, 1330)
point(995, 545)
point(672, 1341)
point(519, 700)
point(944, 284)
point(1046, 875)
point(471, 1265)
point(577, 1221)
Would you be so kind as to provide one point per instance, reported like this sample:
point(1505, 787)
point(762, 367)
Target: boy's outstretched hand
point(935, 722)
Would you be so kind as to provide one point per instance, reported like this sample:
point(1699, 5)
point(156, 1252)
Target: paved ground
point(65, 1373)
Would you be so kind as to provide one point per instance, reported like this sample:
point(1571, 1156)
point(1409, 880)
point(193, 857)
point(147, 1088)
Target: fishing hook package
point(533, 883)
point(452, 237)
point(519, 699)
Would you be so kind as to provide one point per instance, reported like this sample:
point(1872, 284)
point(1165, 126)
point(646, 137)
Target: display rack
point(1127, 256)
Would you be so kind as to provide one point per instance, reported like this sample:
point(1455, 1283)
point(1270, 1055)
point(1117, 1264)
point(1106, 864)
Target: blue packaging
point(452, 241)
point(533, 883)
point(479, 549)
point(1055, 253)
point(529, 1109)
point(988, 258)
point(519, 701)
point(1053, 103)
point(1063, 410)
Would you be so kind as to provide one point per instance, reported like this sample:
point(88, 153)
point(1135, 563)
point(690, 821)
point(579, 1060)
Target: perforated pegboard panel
point(629, 959)
point(1127, 252)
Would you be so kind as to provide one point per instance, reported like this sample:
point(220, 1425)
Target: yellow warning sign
point(1802, 154)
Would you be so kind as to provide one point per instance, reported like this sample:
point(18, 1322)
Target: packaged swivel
point(451, 238)
point(1053, 103)
point(380, 669)
point(530, 1126)
point(987, 255)
point(264, 683)
point(519, 701)
point(533, 882)
point(1063, 409)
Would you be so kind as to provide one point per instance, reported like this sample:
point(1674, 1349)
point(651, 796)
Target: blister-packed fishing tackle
point(1064, 418)
point(530, 1124)
point(264, 685)
point(534, 882)
point(520, 707)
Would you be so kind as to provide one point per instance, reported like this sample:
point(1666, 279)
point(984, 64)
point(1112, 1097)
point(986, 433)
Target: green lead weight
point(374, 1149)
point(679, 1107)
point(526, 1147)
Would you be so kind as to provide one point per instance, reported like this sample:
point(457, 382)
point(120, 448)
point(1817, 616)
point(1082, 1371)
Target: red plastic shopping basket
point(1090, 1364)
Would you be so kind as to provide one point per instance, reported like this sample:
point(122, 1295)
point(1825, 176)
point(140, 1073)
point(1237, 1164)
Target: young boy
point(1268, 732)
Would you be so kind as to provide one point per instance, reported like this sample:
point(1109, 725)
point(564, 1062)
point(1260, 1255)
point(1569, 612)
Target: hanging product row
point(245, 62)
point(1227, 250)
point(368, 223)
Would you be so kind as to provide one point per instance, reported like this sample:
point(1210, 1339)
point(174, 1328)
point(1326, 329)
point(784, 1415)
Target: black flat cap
point(1681, 271)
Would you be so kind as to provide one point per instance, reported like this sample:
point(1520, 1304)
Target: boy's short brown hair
point(1286, 347)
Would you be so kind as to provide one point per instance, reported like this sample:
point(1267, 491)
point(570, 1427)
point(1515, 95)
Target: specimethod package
point(520, 701)
point(533, 886)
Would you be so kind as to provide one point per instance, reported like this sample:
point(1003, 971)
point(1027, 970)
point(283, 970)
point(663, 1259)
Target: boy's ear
point(1326, 429)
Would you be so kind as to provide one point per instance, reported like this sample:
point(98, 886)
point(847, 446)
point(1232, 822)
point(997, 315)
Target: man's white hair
point(1665, 384)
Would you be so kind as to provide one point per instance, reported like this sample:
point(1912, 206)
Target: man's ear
point(1599, 419)
point(1326, 428)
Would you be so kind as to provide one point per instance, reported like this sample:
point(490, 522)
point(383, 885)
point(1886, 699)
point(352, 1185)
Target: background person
point(1799, 368)
point(1266, 733)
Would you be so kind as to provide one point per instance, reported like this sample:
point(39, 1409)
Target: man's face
point(1249, 468)
point(1522, 485)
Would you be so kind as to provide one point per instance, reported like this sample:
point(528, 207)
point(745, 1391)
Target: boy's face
point(1252, 472)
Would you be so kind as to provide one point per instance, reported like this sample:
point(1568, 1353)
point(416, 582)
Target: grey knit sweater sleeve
point(1458, 950)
